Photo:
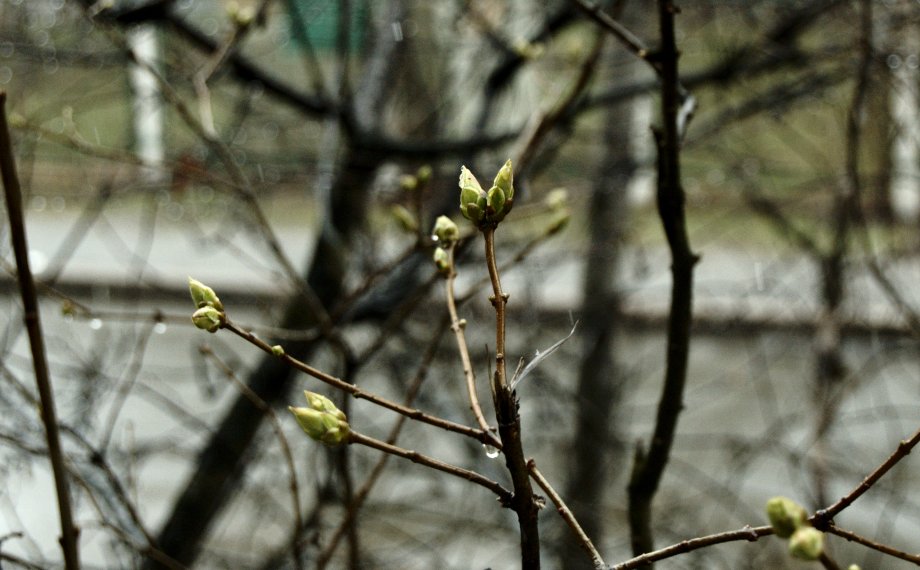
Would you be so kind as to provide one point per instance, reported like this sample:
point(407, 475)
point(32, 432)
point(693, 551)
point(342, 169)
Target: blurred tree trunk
point(598, 390)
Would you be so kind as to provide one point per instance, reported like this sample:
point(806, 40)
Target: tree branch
point(69, 543)
point(649, 468)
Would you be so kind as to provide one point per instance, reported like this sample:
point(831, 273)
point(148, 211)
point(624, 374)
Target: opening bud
point(785, 516)
point(442, 261)
point(446, 231)
point(505, 180)
point(807, 543)
point(203, 296)
point(208, 318)
point(278, 350)
point(322, 421)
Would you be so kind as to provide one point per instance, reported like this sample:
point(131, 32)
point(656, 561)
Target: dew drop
point(491, 452)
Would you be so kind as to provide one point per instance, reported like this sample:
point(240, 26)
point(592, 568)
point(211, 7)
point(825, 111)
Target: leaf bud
point(278, 350)
point(496, 203)
point(424, 174)
point(404, 218)
point(442, 261)
point(505, 180)
point(807, 543)
point(208, 318)
point(203, 296)
point(325, 427)
point(446, 231)
point(321, 403)
point(785, 516)
point(408, 182)
point(470, 194)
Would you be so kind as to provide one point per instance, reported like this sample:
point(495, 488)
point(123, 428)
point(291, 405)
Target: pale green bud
point(854, 567)
point(278, 350)
point(208, 318)
point(807, 543)
point(203, 296)
point(496, 203)
point(322, 426)
point(408, 182)
point(505, 180)
point(442, 260)
point(310, 421)
point(404, 218)
point(424, 174)
point(785, 516)
point(470, 195)
point(321, 403)
point(446, 231)
point(557, 199)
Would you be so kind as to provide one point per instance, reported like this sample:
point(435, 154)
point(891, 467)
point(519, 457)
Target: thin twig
point(358, 393)
point(282, 441)
point(504, 495)
point(459, 327)
point(364, 491)
point(69, 543)
point(884, 548)
point(748, 533)
point(566, 515)
point(826, 516)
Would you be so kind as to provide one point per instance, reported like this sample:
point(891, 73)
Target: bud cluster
point(209, 314)
point(483, 208)
point(322, 421)
point(790, 520)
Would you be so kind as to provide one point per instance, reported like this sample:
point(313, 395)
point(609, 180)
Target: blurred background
point(272, 150)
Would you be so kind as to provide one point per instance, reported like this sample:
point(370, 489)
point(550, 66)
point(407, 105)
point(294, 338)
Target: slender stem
point(263, 406)
point(504, 495)
point(824, 517)
point(749, 533)
point(13, 194)
point(566, 515)
point(458, 327)
point(499, 301)
point(509, 422)
point(884, 548)
point(479, 435)
point(325, 555)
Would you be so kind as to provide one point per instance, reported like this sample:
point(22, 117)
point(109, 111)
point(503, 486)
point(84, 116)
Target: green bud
point(322, 426)
point(807, 543)
point(854, 567)
point(203, 296)
point(470, 194)
point(473, 213)
point(310, 421)
point(442, 261)
point(785, 516)
point(505, 180)
point(408, 182)
point(424, 174)
point(208, 318)
point(321, 403)
point(557, 199)
point(446, 231)
point(278, 350)
point(404, 218)
point(496, 203)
